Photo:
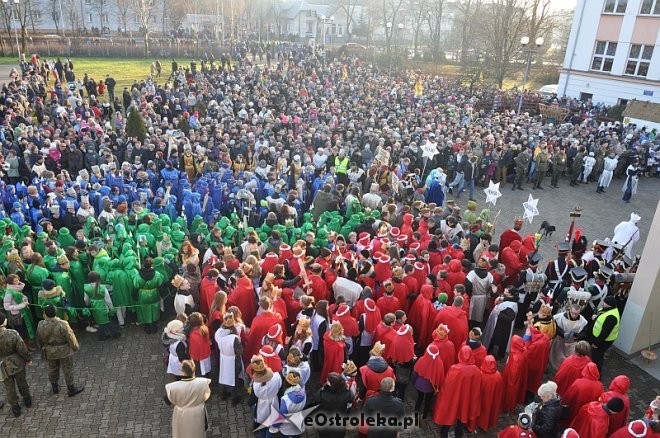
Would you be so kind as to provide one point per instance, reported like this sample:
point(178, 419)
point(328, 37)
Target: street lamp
point(325, 20)
point(524, 41)
point(11, 11)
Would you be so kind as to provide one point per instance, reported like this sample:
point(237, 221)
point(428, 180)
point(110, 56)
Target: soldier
point(522, 163)
point(529, 284)
point(542, 162)
point(58, 345)
point(14, 355)
point(576, 167)
point(558, 165)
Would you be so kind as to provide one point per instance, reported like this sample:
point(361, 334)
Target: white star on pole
point(492, 192)
point(530, 208)
point(429, 151)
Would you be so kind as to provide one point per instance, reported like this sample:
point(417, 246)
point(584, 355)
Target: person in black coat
point(334, 398)
point(548, 413)
point(386, 405)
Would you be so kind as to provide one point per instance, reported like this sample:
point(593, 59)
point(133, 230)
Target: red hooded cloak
point(618, 388)
point(514, 375)
point(584, 390)
point(460, 395)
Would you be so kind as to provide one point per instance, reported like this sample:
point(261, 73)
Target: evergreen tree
point(135, 125)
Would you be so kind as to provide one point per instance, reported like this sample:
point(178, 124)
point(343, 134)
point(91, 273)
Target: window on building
point(586, 96)
point(88, 2)
point(310, 26)
point(603, 56)
point(340, 30)
point(650, 7)
point(104, 18)
point(615, 6)
point(622, 102)
point(89, 18)
point(639, 60)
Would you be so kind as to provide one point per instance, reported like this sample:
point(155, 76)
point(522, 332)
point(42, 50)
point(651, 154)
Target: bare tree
point(503, 24)
point(122, 10)
point(389, 14)
point(349, 7)
point(101, 7)
point(468, 10)
point(435, 10)
point(143, 11)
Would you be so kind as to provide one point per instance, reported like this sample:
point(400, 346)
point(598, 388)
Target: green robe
point(100, 264)
point(28, 322)
point(53, 297)
point(35, 275)
point(148, 299)
point(78, 274)
point(97, 304)
point(63, 280)
point(121, 280)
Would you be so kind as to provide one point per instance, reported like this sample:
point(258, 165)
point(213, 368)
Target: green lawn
point(124, 70)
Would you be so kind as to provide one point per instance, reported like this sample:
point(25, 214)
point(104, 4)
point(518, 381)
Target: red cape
point(388, 304)
point(592, 421)
point(456, 319)
point(207, 290)
point(515, 432)
point(319, 288)
point(384, 334)
point(618, 388)
point(539, 349)
point(569, 370)
point(584, 390)
point(401, 293)
point(624, 433)
point(492, 388)
point(447, 351)
point(349, 324)
point(507, 237)
point(371, 379)
point(421, 316)
point(402, 347)
point(333, 356)
point(479, 354)
point(259, 328)
point(460, 395)
point(430, 367)
point(514, 375)
point(243, 298)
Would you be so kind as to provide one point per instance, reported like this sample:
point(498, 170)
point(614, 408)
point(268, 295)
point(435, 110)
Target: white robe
point(626, 232)
point(227, 366)
point(188, 397)
point(635, 179)
point(589, 163)
point(562, 347)
point(266, 394)
point(609, 166)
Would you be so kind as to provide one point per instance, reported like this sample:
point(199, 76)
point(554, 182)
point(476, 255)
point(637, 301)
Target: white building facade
point(613, 52)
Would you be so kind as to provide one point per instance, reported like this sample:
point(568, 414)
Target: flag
point(419, 88)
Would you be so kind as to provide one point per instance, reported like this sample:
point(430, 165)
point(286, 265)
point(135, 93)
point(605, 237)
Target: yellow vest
point(598, 324)
point(341, 166)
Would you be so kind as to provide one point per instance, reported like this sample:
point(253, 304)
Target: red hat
point(402, 346)
point(342, 309)
point(637, 429)
point(384, 258)
point(570, 433)
point(275, 331)
point(414, 246)
point(266, 351)
point(385, 241)
point(395, 231)
point(402, 239)
point(364, 241)
point(410, 258)
point(271, 255)
point(285, 247)
point(419, 266)
point(364, 235)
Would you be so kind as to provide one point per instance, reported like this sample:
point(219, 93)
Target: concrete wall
point(640, 324)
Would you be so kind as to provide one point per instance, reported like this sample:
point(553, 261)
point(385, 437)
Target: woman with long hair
point(16, 307)
point(217, 310)
point(199, 344)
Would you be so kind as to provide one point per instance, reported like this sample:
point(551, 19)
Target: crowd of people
point(294, 220)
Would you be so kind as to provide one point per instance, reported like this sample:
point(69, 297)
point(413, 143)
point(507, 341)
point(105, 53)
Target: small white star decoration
point(530, 208)
point(492, 192)
point(429, 151)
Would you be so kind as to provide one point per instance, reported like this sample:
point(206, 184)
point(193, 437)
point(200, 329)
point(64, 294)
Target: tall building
point(613, 52)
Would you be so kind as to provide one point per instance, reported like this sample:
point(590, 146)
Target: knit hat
point(637, 429)
point(610, 301)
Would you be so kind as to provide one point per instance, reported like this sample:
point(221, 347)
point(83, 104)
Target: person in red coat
point(455, 318)
point(384, 331)
point(243, 297)
point(319, 288)
point(271, 358)
point(260, 326)
point(207, 289)
point(618, 388)
point(445, 346)
point(421, 316)
point(511, 235)
point(509, 257)
point(492, 388)
point(459, 400)
point(268, 265)
point(373, 373)
point(388, 303)
point(478, 350)
point(382, 268)
point(401, 354)
point(334, 346)
point(520, 430)
point(409, 280)
point(593, 419)
point(538, 347)
point(401, 290)
point(584, 390)
point(636, 429)
point(571, 368)
point(350, 325)
point(455, 274)
point(514, 375)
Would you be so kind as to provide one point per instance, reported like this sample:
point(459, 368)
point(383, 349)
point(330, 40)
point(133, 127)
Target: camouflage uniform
point(58, 345)
point(522, 163)
point(558, 167)
point(542, 164)
point(14, 355)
